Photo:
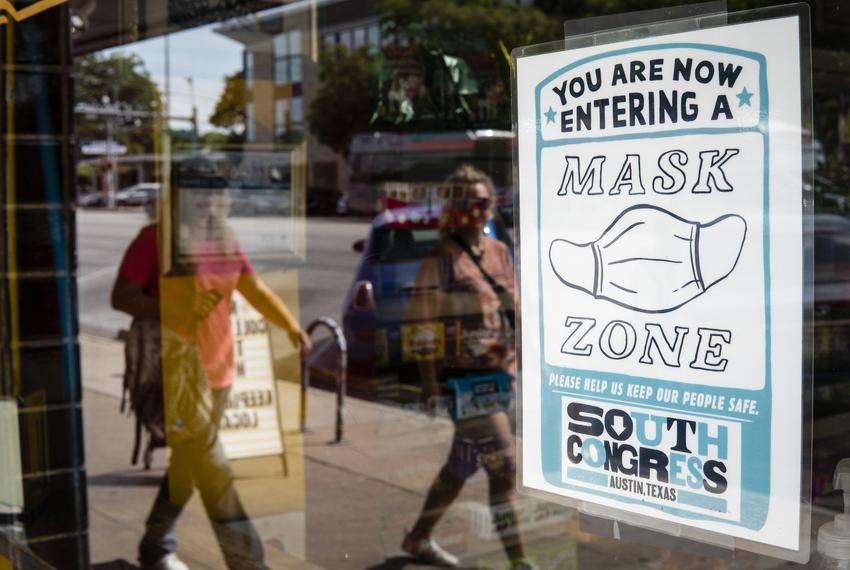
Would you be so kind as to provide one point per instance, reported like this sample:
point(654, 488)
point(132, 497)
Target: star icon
point(744, 98)
point(550, 115)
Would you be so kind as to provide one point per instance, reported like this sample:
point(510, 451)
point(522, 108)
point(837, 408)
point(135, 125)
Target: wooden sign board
point(251, 424)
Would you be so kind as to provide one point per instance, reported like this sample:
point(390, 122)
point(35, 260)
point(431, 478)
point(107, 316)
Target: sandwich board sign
point(662, 280)
point(250, 426)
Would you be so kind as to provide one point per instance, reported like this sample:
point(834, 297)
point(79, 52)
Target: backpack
point(143, 384)
point(176, 411)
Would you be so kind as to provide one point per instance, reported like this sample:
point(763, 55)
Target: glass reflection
point(352, 113)
point(181, 350)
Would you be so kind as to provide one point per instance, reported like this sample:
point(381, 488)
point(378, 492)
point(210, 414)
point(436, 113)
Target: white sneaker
point(427, 551)
point(167, 562)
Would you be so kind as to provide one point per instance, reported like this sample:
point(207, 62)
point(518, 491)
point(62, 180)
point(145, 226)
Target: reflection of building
point(282, 75)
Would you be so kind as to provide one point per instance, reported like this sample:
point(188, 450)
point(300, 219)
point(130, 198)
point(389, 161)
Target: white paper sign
point(661, 276)
point(250, 426)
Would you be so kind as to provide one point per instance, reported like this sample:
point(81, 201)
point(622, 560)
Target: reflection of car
point(831, 296)
point(830, 345)
point(322, 201)
point(342, 205)
point(94, 199)
point(137, 194)
point(830, 193)
point(383, 348)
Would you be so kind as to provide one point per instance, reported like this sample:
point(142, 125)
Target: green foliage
point(482, 32)
point(123, 79)
point(214, 139)
point(444, 57)
point(345, 101)
point(460, 27)
point(567, 9)
point(229, 111)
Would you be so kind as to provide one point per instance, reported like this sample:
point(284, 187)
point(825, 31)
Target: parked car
point(137, 194)
point(383, 347)
point(342, 205)
point(94, 199)
point(831, 311)
point(830, 344)
point(322, 201)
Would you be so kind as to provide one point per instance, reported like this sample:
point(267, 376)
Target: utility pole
point(191, 82)
point(167, 78)
point(111, 172)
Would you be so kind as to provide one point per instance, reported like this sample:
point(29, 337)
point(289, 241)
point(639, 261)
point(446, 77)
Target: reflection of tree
point(468, 27)
point(229, 110)
point(190, 13)
point(588, 8)
point(442, 90)
point(460, 55)
point(345, 102)
point(122, 80)
point(444, 64)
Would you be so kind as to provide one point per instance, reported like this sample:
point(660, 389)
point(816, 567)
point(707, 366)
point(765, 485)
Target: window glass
point(390, 245)
point(249, 122)
point(287, 62)
point(281, 110)
point(295, 68)
point(281, 45)
point(374, 35)
point(359, 37)
point(211, 208)
point(345, 39)
point(297, 112)
point(249, 69)
point(282, 70)
point(295, 42)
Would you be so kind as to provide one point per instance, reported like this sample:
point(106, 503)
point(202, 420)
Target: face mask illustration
point(651, 260)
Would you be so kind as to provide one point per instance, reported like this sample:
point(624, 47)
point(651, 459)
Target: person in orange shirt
point(195, 309)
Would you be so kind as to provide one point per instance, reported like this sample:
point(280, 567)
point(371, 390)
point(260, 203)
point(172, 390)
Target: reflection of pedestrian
point(194, 313)
point(468, 279)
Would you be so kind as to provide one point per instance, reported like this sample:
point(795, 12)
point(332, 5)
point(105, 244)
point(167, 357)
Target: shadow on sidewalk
point(136, 479)
point(119, 564)
point(400, 562)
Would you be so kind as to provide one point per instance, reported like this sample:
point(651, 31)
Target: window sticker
point(422, 341)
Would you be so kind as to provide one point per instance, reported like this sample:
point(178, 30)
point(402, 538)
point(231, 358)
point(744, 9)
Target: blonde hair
point(468, 174)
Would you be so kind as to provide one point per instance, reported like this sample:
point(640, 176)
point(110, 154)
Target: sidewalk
point(342, 506)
